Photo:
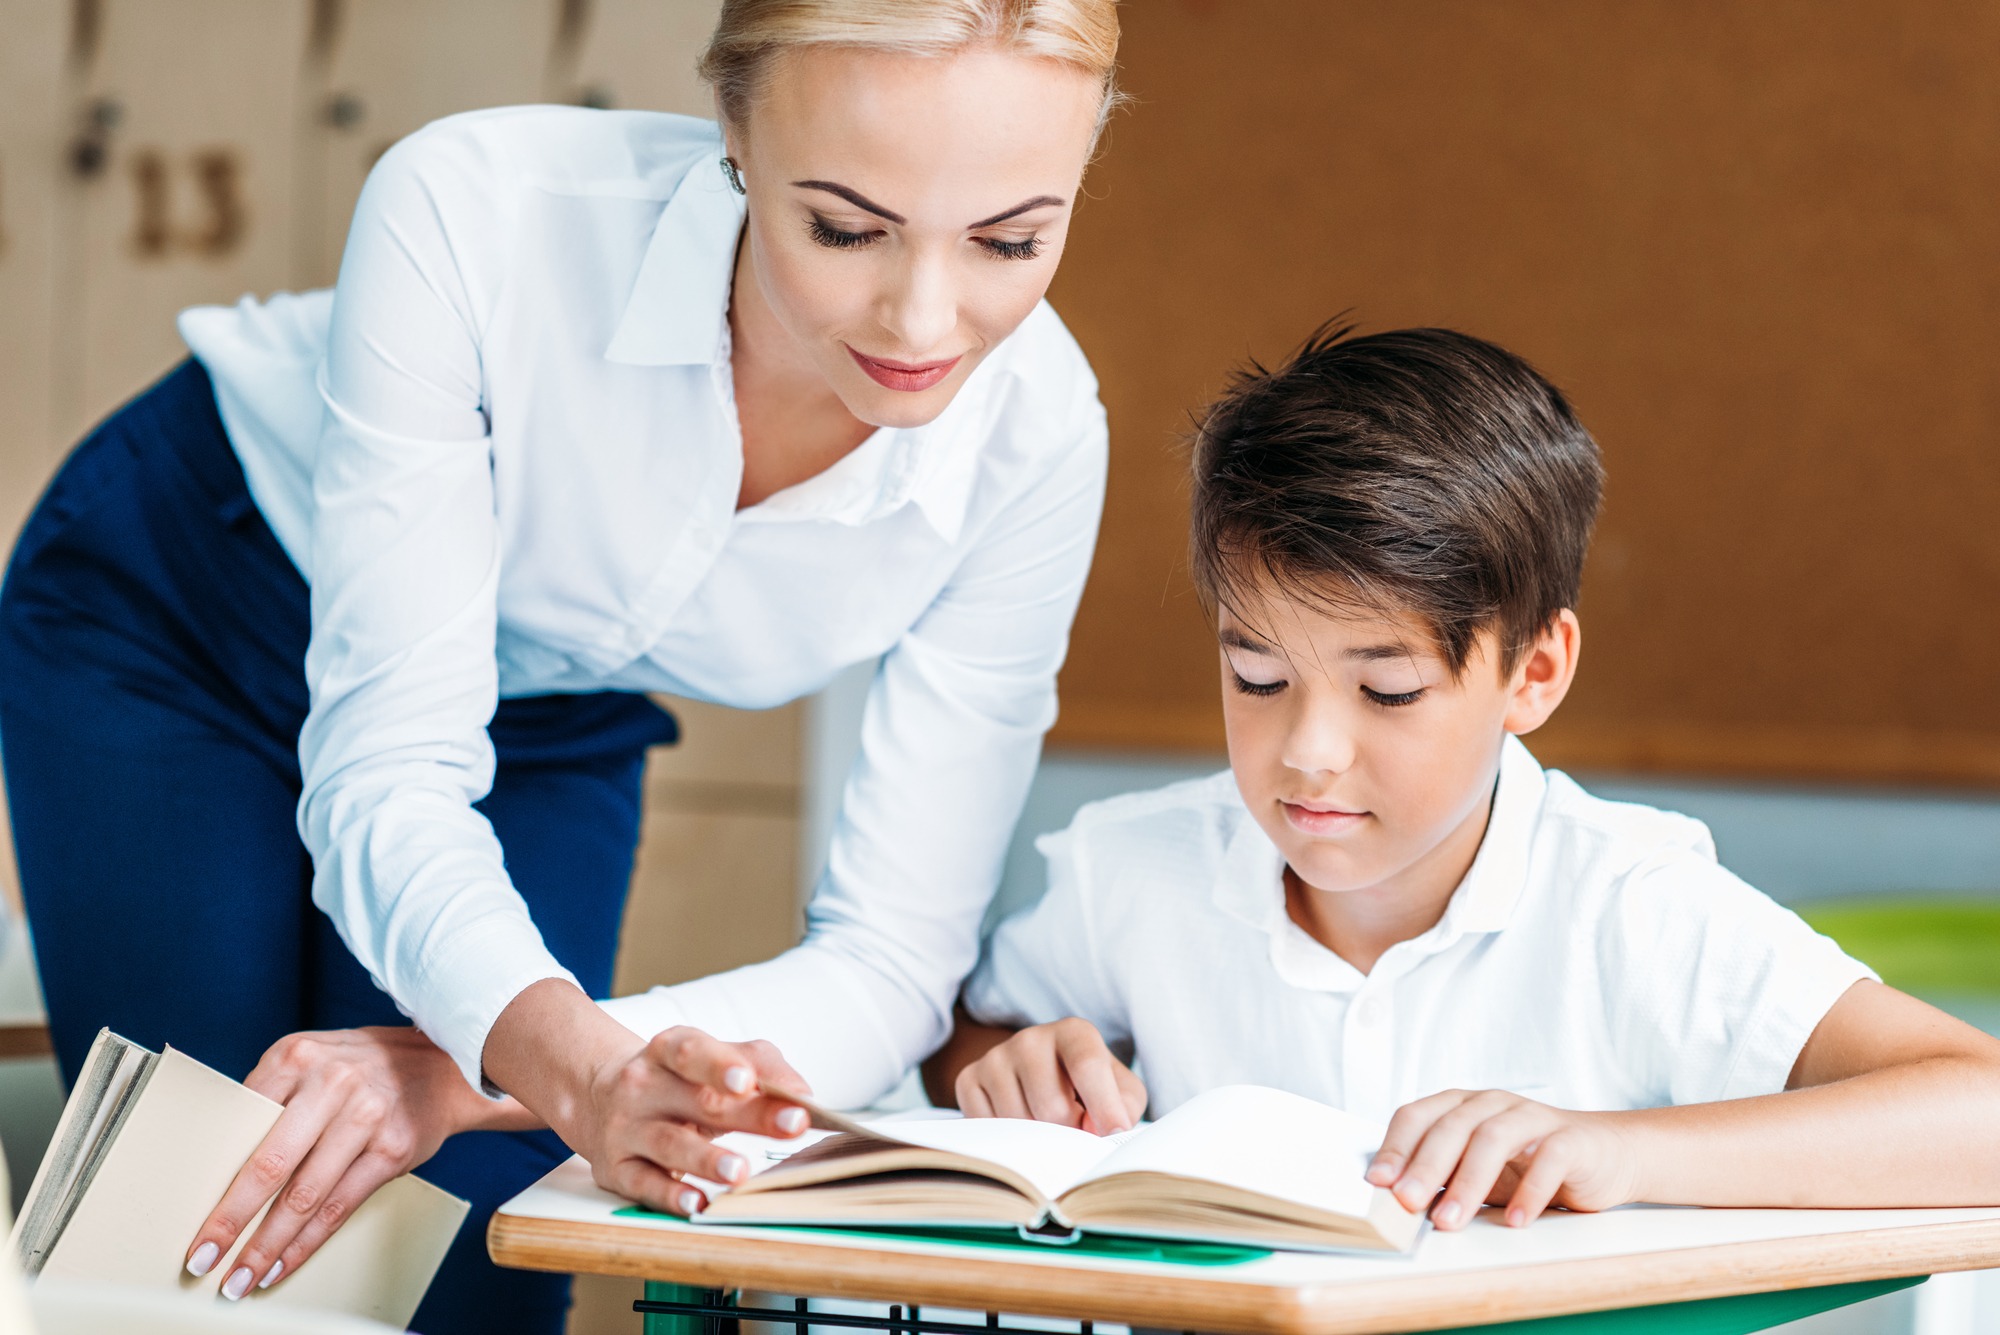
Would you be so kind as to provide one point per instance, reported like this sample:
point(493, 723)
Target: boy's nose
point(1319, 744)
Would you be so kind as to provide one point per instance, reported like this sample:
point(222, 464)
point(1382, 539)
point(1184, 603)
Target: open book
point(1240, 1164)
point(147, 1145)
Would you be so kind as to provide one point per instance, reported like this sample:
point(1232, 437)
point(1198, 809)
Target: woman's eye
point(1394, 699)
point(833, 238)
point(1248, 687)
point(1012, 250)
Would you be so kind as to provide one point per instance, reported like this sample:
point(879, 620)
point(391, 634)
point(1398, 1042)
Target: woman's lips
point(903, 375)
point(1321, 821)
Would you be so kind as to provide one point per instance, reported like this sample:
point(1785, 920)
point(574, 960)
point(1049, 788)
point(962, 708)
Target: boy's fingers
point(972, 1100)
point(1133, 1090)
point(1547, 1170)
point(1047, 1090)
point(1437, 1155)
point(1495, 1141)
point(1406, 1132)
point(1095, 1078)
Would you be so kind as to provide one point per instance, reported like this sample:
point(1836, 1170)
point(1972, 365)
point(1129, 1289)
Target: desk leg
point(1738, 1315)
point(673, 1323)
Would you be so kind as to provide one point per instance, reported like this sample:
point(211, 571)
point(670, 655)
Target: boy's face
point(1367, 763)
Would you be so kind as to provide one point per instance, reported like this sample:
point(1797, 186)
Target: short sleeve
point(1042, 963)
point(1711, 988)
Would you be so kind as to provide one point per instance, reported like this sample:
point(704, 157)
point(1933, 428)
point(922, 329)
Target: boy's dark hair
point(1420, 470)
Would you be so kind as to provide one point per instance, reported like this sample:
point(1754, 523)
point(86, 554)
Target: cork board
point(1755, 243)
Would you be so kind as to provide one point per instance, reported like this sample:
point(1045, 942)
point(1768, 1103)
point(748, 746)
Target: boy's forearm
point(1918, 1134)
point(969, 1041)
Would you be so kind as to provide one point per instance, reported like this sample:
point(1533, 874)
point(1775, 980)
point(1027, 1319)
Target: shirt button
point(1371, 1012)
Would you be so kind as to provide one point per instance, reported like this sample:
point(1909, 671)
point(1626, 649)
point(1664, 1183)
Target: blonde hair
point(1082, 33)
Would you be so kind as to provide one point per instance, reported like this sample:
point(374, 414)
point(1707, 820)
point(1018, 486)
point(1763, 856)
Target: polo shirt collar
point(1249, 885)
point(678, 311)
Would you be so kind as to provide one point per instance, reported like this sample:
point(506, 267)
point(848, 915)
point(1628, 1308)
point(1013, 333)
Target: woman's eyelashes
point(839, 238)
point(1025, 249)
point(833, 238)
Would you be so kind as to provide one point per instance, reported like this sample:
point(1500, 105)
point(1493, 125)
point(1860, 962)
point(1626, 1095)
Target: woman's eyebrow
point(1037, 202)
point(854, 197)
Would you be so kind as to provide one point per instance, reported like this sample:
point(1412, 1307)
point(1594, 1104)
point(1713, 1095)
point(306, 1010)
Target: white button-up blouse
point(504, 453)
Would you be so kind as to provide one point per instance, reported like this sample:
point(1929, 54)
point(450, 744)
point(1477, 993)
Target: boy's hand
point(1059, 1072)
point(1498, 1148)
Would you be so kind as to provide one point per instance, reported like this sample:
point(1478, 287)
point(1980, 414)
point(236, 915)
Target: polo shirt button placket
point(1365, 1073)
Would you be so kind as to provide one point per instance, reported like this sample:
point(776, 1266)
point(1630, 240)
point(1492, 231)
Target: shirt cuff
point(471, 986)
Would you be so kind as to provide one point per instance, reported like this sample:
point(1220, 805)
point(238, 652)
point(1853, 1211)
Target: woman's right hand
point(652, 1116)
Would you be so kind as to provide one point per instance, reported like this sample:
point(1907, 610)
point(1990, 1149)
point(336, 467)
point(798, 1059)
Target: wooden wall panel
point(1754, 242)
point(641, 53)
point(190, 199)
point(385, 68)
point(33, 122)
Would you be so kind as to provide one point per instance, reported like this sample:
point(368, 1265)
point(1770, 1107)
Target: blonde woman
point(603, 403)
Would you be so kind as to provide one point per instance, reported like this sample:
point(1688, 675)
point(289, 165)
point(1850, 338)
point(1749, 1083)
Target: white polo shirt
point(504, 453)
point(1595, 957)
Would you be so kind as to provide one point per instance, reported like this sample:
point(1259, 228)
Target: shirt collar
point(678, 312)
point(1250, 883)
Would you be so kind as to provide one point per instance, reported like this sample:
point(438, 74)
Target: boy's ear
point(1541, 679)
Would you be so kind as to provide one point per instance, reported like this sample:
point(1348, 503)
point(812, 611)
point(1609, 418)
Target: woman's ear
point(1541, 679)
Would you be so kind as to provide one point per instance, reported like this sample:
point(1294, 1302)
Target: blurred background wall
point(1754, 242)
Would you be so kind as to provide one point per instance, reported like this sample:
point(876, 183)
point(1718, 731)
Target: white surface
point(567, 1193)
point(506, 453)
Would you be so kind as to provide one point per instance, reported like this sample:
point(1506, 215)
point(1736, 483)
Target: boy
point(1387, 905)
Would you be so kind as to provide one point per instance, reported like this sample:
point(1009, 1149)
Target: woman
point(603, 403)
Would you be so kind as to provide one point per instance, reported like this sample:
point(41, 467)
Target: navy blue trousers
point(152, 642)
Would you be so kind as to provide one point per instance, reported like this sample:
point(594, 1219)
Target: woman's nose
point(921, 308)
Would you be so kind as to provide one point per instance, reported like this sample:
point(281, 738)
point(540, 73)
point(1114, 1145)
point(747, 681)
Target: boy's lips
point(906, 376)
point(1321, 818)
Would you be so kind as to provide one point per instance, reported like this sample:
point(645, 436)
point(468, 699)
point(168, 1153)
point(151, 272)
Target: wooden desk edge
point(1210, 1300)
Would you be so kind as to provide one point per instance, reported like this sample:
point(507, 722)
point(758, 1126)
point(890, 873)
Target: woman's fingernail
point(731, 1166)
point(737, 1080)
point(204, 1259)
point(690, 1202)
point(277, 1269)
point(792, 1121)
point(1446, 1215)
point(239, 1283)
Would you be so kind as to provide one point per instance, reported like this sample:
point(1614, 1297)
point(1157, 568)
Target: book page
point(1262, 1140)
point(1054, 1158)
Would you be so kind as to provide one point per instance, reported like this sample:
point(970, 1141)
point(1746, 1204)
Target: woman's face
point(907, 212)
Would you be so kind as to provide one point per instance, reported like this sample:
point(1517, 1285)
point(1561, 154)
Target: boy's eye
point(1012, 250)
point(1248, 687)
point(1396, 698)
point(833, 238)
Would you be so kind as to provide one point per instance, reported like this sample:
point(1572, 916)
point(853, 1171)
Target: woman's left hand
point(362, 1106)
point(1498, 1148)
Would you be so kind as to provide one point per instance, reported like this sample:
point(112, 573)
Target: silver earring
point(734, 173)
